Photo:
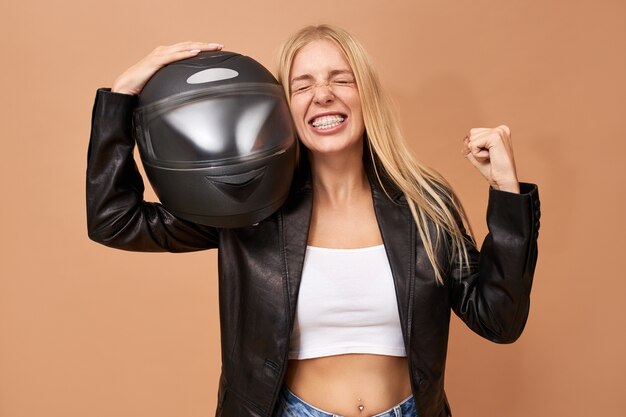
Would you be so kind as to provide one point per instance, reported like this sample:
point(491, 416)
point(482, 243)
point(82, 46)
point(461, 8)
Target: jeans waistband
point(293, 406)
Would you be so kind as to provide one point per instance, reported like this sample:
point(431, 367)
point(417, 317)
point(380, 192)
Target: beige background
point(90, 331)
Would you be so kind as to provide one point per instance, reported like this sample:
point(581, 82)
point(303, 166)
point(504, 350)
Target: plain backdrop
point(90, 331)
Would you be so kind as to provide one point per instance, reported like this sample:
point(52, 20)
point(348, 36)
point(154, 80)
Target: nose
point(323, 94)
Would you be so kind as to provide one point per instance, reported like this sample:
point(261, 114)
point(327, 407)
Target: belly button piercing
point(361, 406)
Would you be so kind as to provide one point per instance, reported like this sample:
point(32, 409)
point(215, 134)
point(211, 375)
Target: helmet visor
point(221, 124)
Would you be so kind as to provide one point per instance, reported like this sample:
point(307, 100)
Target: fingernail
point(194, 51)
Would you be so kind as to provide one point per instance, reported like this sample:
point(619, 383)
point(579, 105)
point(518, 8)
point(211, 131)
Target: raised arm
point(117, 216)
point(493, 296)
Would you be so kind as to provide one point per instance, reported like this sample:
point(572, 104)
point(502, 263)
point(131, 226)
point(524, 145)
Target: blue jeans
point(290, 405)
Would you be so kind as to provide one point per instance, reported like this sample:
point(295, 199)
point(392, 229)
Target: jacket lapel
point(398, 232)
point(295, 220)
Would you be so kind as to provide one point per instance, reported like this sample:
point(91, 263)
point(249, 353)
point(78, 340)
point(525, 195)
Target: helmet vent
point(211, 75)
point(238, 187)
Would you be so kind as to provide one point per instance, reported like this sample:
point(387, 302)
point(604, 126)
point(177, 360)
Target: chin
point(333, 149)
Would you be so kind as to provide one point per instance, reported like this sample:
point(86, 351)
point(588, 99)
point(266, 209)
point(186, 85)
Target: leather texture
point(260, 269)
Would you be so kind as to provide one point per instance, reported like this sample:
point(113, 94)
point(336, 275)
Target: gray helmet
point(216, 139)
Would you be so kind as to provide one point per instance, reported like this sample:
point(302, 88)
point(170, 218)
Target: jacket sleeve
point(117, 216)
point(493, 296)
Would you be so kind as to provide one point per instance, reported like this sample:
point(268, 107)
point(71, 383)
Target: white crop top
point(346, 304)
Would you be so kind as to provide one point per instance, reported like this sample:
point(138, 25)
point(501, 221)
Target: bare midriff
point(351, 385)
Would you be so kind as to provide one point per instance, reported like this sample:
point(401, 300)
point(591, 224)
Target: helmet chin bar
point(220, 150)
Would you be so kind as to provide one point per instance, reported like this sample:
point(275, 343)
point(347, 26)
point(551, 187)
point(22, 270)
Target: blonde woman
point(339, 303)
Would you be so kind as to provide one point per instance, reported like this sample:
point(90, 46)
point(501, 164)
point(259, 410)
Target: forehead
point(317, 59)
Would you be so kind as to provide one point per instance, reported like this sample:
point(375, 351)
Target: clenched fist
point(491, 152)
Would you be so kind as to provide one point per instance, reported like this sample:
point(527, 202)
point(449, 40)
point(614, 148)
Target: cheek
point(357, 112)
point(300, 130)
point(299, 125)
point(354, 102)
point(297, 114)
point(297, 104)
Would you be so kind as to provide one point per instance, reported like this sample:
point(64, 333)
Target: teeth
point(327, 122)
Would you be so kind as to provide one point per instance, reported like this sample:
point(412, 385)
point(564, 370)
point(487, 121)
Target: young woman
point(339, 303)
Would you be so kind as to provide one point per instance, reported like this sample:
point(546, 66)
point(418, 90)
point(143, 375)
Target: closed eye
point(343, 81)
point(300, 88)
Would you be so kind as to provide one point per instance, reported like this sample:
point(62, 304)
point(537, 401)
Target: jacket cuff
point(114, 111)
point(111, 104)
point(512, 211)
point(121, 98)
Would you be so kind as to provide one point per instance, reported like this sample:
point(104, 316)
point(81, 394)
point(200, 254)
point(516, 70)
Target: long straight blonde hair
point(430, 198)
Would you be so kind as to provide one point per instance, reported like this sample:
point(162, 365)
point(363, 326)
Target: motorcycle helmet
point(216, 139)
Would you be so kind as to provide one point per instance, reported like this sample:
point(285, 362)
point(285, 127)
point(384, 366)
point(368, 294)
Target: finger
point(501, 133)
point(176, 56)
point(162, 55)
point(189, 45)
point(505, 130)
point(474, 147)
point(479, 162)
point(196, 50)
point(205, 46)
point(481, 155)
point(492, 136)
point(181, 51)
point(477, 141)
point(479, 130)
point(476, 156)
point(215, 45)
point(465, 150)
point(478, 147)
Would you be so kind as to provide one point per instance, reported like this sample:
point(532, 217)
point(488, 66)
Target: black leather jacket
point(260, 268)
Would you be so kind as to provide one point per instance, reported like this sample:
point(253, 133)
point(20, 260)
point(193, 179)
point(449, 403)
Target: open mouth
point(327, 121)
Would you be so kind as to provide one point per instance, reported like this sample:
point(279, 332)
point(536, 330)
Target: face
point(325, 102)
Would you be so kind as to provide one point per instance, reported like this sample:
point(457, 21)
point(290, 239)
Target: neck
point(338, 179)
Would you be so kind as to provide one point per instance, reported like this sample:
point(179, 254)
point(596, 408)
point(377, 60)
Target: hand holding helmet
point(134, 78)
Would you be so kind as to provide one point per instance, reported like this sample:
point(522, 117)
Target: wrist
point(121, 90)
point(123, 85)
point(509, 186)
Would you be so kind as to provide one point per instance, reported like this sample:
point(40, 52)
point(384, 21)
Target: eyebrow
point(331, 74)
